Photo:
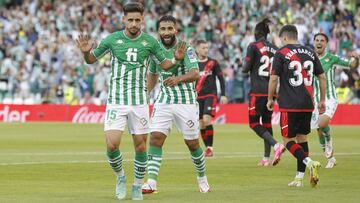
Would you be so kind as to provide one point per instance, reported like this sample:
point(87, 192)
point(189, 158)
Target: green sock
point(326, 131)
point(154, 162)
point(199, 161)
point(140, 167)
point(115, 159)
point(322, 141)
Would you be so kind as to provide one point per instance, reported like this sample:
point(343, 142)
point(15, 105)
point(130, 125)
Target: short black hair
point(262, 29)
point(290, 31)
point(165, 18)
point(201, 41)
point(133, 7)
point(322, 34)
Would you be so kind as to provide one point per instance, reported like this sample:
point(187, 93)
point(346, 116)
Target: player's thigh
point(315, 118)
point(115, 117)
point(185, 118)
point(303, 126)
point(331, 106)
point(113, 139)
point(201, 103)
point(288, 125)
point(161, 119)
point(210, 106)
point(138, 120)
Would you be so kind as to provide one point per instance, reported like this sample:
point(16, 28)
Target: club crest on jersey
point(144, 43)
point(119, 41)
point(327, 60)
point(191, 55)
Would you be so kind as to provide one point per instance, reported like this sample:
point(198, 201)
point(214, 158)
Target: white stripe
point(284, 127)
point(187, 96)
point(121, 82)
point(113, 80)
point(137, 84)
point(153, 168)
point(219, 155)
point(129, 87)
point(154, 163)
point(153, 172)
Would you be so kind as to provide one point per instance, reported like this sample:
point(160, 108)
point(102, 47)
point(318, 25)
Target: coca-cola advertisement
point(229, 113)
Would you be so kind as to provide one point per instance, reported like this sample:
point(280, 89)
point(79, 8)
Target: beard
point(133, 31)
point(168, 43)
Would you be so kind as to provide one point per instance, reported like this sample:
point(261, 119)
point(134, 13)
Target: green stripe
point(176, 96)
point(332, 83)
point(133, 86)
point(183, 98)
point(142, 88)
point(328, 88)
point(126, 75)
point(117, 96)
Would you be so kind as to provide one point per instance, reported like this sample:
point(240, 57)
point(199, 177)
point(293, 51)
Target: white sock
point(138, 181)
point(299, 175)
point(120, 173)
point(306, 161)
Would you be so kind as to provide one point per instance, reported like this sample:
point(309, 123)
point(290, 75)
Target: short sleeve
point(157, 51)
point(190, 59)
point(153, 67)
point(250, 56)
point(103, 48)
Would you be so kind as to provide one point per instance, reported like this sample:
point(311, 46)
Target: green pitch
point(67, 163)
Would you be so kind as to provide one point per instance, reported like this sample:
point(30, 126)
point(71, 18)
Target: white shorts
point(185, 117)
point(330, 110)
point(136, 116)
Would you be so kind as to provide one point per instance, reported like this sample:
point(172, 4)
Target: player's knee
point(112, 147)
point(140, 148)
point(157, 139)
point(192, 144)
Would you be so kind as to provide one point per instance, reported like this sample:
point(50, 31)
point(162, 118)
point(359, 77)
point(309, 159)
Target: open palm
point(84, 43)
point(180, 51)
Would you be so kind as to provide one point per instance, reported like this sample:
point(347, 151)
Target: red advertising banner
point(230, 113)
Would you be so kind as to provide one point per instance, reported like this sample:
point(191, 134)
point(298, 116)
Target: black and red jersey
point(258, 61)
point(206, 85)
point(296, 66)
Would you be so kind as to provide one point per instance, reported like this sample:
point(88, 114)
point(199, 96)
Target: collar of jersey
point(323, 56)
point(123, 32)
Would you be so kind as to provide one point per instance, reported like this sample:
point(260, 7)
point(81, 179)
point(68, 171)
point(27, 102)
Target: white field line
point(224, 155)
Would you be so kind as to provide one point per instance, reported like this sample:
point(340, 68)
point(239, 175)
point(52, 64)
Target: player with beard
point(127, 101)
point(329, 63)
point(207, 93)
point(258, 61)
point(176, 103)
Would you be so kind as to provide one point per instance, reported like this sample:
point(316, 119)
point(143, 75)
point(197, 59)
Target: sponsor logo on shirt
point(144, 43)
point(119, 41)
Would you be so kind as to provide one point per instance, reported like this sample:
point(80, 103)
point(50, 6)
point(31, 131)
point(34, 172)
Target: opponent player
point(127, 100)
point(258, 61)
point(295, 65)
point(321, 122)
point(207, 93)
point(176, 103)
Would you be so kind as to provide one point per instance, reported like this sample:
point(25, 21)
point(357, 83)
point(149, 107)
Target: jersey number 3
point(298, 78)
point(266, 63)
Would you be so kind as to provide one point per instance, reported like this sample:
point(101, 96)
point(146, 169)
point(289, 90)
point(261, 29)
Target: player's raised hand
point(84, 43)
point(270, 105)
point(171, 81)
point(321, 107)
point(180, 51)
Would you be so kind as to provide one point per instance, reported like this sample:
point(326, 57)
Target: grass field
point(66, 163)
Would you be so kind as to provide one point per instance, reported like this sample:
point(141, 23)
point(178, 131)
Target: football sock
point(267, 146)
point(264, 134)
point(140, 167)
point(322, 141)
point(115, 159)
point(296, 150)
point(199, 161)
point(209, 133)
point(326, 132)
point(154, 162)
point(203, 136)
point(300, 165)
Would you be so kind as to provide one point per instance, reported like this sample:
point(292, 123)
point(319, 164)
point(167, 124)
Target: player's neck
point(321, 55)
point(203, 58)
point(292, 42)
point(131, 36)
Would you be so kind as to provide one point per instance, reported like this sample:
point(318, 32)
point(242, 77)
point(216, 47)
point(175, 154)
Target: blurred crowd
point(39, 61)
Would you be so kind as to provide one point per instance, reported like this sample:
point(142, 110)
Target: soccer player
point(207, 93)
point(321, 122)
point(176, 103)
point(258, 61)
point(127, 100)
point(295, 65)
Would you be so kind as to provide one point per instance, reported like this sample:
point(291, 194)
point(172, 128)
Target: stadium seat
point(18, 101)
point(7, 100)
point(29, 101)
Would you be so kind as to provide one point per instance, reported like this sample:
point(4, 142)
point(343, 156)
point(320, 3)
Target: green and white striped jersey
point(329, 63)
point(129, 62)
point(183, 93)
